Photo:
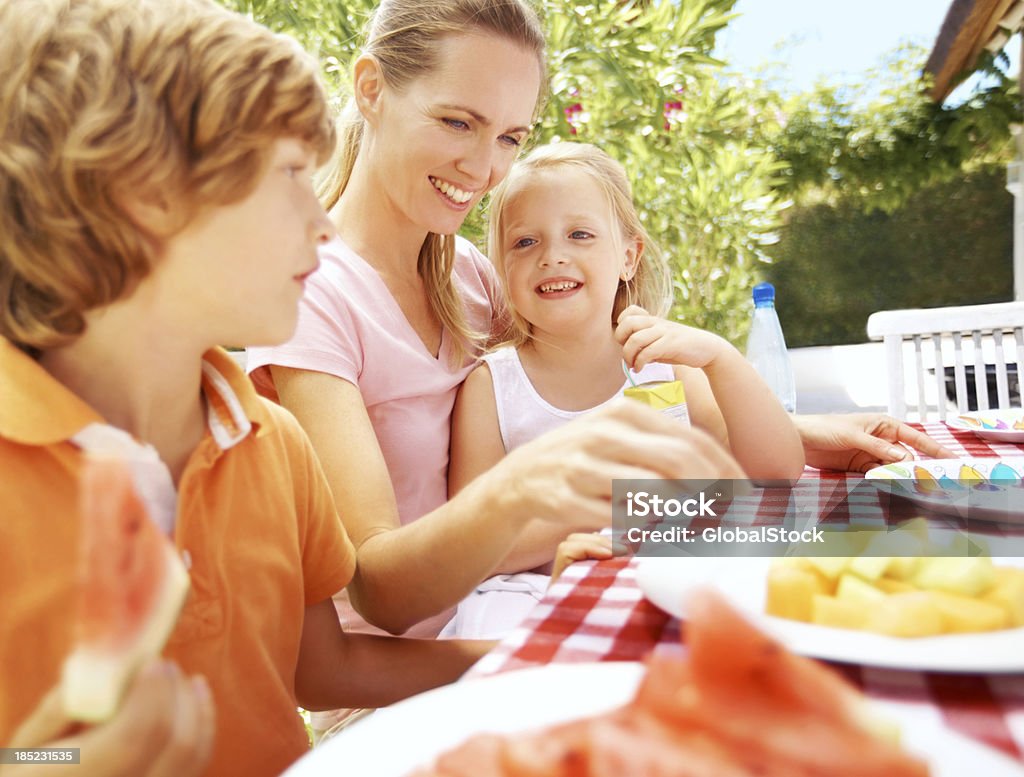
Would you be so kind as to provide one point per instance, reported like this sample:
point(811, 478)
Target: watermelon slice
point(782, 714)
point(739, 705)
point(132, 585)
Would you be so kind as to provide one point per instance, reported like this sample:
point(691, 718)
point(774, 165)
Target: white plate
point(1005, 425)
point(988, 489)
point(668, 582)
point(393, 741)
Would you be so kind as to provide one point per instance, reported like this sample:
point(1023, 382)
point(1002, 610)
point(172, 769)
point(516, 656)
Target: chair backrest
point(962, 341)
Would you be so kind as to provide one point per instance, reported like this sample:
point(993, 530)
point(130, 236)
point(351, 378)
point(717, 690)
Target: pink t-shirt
point(351, 326)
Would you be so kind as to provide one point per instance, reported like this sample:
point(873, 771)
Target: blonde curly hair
point(179, 99)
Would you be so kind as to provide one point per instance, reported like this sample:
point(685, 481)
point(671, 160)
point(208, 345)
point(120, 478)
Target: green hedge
point(950, 244)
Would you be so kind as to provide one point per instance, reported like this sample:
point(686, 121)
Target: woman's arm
point(857, 442)
point(397, 582)
point(407, 573)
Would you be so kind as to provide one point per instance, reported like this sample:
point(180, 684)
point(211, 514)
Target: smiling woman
point(443, 96)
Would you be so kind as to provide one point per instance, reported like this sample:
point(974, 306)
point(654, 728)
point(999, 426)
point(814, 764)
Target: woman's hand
point(646, 339)
point(857, 442)
point(566, 475)
point(164, 728)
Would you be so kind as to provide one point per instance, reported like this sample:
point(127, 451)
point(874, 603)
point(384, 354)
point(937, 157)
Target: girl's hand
point(164, 728)
point(577, 547)
point(646, 338)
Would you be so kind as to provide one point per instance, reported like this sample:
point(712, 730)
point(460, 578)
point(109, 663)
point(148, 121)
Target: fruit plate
point(668, 582)
point(988, 489)
point(433, 722)
point(1006, 425)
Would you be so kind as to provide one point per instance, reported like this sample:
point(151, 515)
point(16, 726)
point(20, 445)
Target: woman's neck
point(370, 223)
point(138, 378)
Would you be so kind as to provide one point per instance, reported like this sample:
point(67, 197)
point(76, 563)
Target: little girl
point(587, 289)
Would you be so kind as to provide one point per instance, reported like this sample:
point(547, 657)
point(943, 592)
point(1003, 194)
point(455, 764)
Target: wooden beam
point(990, 29)
point(965, 23)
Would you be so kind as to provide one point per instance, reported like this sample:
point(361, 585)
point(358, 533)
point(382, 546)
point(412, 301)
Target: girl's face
point(448, 137)
point(565, 252)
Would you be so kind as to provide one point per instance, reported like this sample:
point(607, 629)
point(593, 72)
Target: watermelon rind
point(94, 680)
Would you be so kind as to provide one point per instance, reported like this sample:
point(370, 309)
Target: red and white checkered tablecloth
point(596, 612)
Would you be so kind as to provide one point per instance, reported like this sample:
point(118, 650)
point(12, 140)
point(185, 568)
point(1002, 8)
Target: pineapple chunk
point(964, 614)
point(912, 614)
point(830, 566)
point(791, 590)
point(853, 589)
point(903, 568)
point(838, 613)
point(1008, 593)
point(890, 586)
point(869, 568)
point(965, 576)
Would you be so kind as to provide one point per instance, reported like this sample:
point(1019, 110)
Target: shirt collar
point(37, 409)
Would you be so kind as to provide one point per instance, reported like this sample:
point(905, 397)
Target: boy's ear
point(368, 85)
point(634, 252)
point(153, 212)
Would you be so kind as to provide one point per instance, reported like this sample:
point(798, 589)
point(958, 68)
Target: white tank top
point(523, 414)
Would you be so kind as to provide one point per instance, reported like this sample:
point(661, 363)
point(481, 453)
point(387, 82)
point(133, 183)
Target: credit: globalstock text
point(675, 535)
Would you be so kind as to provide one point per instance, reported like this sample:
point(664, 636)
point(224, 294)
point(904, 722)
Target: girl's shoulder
point(505, 354)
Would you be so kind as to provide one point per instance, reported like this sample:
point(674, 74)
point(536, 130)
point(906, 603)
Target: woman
point(444, 93)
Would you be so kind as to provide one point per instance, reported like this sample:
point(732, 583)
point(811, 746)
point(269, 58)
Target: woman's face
point(450, 136)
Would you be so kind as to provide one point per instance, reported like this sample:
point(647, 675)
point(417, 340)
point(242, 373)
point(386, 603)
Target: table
point(596, 612)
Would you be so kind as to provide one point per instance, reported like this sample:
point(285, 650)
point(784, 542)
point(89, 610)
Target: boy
point(155, 200)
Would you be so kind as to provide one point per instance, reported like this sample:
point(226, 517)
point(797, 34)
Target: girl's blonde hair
point(404, 37)
point(101, 99)
point(651, 284)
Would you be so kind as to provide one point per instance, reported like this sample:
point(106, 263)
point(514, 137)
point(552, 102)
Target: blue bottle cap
point(764, 292)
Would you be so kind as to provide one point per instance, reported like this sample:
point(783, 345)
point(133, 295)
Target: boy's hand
point(165, 728)
point(646, 338)
point(577, 547)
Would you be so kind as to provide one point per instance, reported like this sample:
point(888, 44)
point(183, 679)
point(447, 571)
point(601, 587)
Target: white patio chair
point(958, 336)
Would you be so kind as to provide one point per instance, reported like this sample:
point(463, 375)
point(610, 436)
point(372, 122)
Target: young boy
point(155, 200)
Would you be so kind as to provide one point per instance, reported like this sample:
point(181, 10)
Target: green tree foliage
point(878, 148)
point(637, 79)
point(950, 243)
point(900, 202)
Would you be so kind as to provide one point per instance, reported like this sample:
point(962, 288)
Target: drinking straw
point(629, 375)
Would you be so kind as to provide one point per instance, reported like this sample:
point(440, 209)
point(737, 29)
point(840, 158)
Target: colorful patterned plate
point(1003, 425)
point(989, 489)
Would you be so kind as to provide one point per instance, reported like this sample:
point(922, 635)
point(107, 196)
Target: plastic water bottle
point(766, 347)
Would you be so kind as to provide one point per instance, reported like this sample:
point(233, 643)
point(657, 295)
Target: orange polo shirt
point(252, 511)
